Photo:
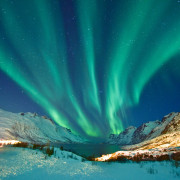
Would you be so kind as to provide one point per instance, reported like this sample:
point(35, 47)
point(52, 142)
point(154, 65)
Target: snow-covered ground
point(20, 164)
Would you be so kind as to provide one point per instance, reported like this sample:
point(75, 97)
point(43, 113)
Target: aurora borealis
point(90, 63)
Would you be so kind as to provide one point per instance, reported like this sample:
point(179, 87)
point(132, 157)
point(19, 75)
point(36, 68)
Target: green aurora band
point(40, 46)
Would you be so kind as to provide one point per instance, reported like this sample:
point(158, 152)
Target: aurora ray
point(87, 62)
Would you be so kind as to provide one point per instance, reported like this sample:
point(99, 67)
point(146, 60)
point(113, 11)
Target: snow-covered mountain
point(123, 138)
point(173, 125)
point(147, 131)
point(30, 127)
point(157, 131)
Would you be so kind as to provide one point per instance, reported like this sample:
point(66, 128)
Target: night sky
point(94, 66)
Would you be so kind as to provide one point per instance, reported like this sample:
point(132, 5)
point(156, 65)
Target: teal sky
point(94, 66)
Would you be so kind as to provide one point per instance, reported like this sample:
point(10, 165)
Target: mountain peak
point(30, 127)
point(146, 131)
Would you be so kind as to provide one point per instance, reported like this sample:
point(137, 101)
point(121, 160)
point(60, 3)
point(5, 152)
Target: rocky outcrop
point(173, 125)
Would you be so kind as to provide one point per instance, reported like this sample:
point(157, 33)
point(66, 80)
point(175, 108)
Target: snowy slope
point(159, 129)
point(163, 141)
point(143, 131)
point(123, 138)
point(173, 125)
point(147, 131)
point(28, 164)
point(33, 128)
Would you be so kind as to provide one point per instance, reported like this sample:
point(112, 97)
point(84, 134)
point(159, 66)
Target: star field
point(94, 66)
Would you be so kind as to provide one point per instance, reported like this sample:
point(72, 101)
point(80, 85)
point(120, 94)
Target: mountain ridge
point(147, 131)
point(30, 127)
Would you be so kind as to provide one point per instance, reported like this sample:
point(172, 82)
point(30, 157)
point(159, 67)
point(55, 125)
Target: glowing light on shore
point(117, 154)
point(103, 158)
point(6, 142)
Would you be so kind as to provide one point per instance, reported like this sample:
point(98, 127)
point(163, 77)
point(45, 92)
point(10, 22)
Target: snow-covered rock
point(30, 127)
point(123, 138)
point(143, 131)
point(159, 129)
point(147, 131)
point(173, 125)
point(169, 140)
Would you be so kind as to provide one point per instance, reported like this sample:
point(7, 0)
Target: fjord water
point(95, 150)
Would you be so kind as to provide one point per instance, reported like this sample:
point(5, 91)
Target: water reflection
point(95, 150)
